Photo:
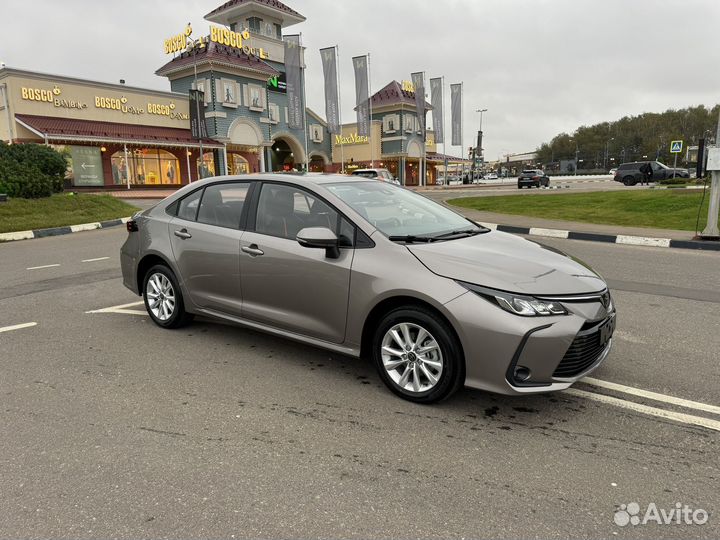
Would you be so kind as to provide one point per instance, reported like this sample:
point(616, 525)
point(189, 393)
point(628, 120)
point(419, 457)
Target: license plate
point(606, 330)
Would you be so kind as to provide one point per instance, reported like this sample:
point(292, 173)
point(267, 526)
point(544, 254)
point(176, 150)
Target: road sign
point(676, 147)
point(87, 166)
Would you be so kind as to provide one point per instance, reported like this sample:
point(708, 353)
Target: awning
point(72, 130)
point(435, 156)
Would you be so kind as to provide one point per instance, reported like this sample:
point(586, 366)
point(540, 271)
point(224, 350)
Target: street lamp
point(577, 151)
point(479, 150)
point(607, 151)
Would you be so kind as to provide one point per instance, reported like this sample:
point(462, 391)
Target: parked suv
point(630, 173)
point(533, 177)
point(379, 174)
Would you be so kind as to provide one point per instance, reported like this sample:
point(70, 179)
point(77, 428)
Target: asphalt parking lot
point(113, 427)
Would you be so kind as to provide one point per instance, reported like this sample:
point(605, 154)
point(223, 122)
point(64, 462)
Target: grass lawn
point(60, 210)
point(662, 209)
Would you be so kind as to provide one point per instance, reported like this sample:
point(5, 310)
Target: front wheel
point(417, 355)
point(163, 298)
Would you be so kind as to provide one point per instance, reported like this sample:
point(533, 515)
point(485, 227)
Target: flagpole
point(424, 135)
point(304, 108)
point(372, 160)
point(462, 145)
point(337, 76)
point(442, 100)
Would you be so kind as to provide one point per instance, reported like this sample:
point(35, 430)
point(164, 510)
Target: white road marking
point(43, 266)
point(122, 308)
point(17, 326)
point(96, 259)
point(644, 409)
point(653, 395)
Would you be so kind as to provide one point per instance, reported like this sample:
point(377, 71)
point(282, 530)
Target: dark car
point(533, 177)
point(632, 173)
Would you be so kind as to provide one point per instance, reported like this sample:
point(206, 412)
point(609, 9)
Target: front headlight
point(526, 306)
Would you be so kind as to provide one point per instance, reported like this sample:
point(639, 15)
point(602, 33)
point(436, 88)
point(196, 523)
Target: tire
point(519, 186)
point(160, 280)
point(629, 181)
point(411, 377)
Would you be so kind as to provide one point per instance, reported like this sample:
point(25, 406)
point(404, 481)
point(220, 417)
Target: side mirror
point(319, 237)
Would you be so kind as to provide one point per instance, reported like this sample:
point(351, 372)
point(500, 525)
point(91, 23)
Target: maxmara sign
point(353, 138)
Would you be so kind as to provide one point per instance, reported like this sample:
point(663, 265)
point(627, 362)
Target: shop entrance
point(283, 158)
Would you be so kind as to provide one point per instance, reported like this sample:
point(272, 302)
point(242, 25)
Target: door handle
point(252, 250)
point(183, 234)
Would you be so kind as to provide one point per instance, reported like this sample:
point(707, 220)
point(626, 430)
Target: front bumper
point(509, 354)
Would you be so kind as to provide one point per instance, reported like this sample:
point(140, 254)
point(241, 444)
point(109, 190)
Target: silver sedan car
point(370, 269)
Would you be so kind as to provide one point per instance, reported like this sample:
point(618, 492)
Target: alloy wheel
point(161, 296)
point(412, 357)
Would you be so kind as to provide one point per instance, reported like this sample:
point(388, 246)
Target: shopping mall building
point(395, 141)
point(119, 135)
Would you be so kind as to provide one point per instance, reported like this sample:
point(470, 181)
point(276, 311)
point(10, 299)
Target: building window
point(145, 166)
point(207, 168)
point(254, 97)
point(274, 111)
point(316, 133)
point(254, 24)
point(237, 164)
point(278, 31)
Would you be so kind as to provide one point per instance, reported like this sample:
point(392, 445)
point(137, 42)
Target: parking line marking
point(96, 259)
point(17, 326)
point(645, 409)
point(122, 308)
point(43, 266)
point(688, 404)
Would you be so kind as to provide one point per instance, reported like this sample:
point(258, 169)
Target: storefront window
point(208, 165)
point(145, 166)
point(237, 164)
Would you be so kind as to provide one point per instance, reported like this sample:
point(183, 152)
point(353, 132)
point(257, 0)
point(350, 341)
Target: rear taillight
point(131, 226)
point(535, 177)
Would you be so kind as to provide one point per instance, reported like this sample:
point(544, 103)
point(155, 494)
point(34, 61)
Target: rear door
point(288, 286)
point(205, 237)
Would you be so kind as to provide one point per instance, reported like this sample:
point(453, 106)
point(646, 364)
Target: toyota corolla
point(370, 269)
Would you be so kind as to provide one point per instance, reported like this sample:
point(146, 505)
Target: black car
point(533, 177)
point(632, 173)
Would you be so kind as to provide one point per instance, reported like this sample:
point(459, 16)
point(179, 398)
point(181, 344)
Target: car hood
point(510, 263)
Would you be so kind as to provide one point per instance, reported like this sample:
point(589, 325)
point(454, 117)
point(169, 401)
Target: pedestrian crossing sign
point(676, 147)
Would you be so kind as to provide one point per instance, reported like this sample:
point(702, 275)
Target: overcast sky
point(539, 66)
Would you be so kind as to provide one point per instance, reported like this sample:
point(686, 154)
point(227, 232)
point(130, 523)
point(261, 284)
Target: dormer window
point(254, 24)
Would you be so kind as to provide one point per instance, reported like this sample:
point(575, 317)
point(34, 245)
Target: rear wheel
point(417, 355)
point(629, 181)
point(163, 298)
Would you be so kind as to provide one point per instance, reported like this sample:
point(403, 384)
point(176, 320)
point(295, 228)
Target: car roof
point(290, 178)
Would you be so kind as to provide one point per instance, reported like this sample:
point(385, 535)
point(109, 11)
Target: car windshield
point(661, 165)
point(398, 212)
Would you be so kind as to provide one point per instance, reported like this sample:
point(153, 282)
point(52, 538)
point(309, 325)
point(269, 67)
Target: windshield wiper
point(411, 238)
point(460, 234)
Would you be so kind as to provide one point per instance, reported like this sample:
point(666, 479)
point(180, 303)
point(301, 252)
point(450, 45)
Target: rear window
point(366, 174)
point(529, 171)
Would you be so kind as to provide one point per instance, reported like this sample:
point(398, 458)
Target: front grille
point(583, 353)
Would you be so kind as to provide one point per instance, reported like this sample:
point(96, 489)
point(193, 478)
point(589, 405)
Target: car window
point(284, 210)
point(222, 204)
point(366, 174)
point(189, 206)
point(396, 211)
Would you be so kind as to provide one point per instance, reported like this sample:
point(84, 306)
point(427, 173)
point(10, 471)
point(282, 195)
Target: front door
point(288, 286)
point(205, 237)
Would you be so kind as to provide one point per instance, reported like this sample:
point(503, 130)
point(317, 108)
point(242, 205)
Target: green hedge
point(31, 171)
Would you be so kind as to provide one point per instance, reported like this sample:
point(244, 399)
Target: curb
point(57, 231)
point(607, 238)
